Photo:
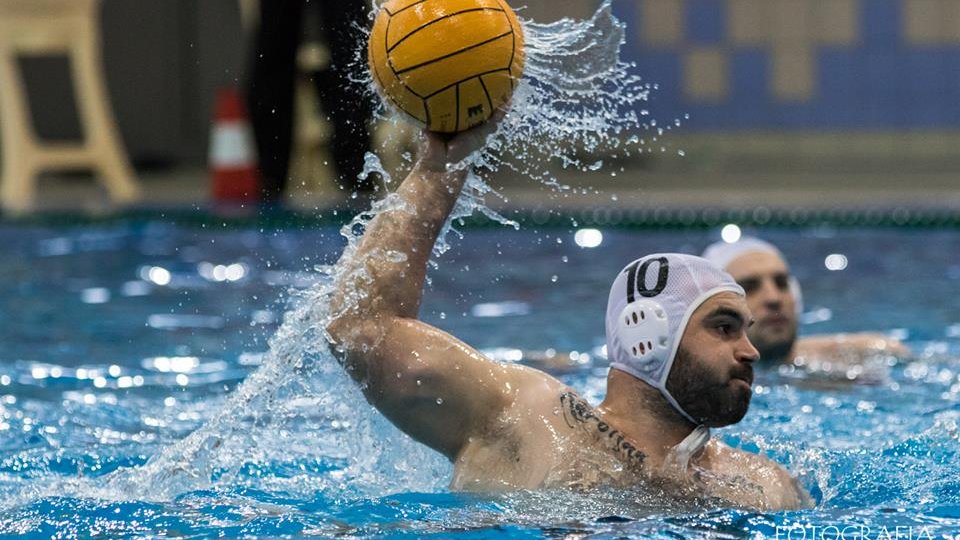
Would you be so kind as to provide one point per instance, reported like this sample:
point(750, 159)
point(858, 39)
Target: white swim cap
point(650, 304)
point(721, 254)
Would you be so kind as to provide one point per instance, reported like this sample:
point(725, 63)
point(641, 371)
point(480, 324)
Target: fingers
point(437, 150)
point(475, 138)
point(431, 138)
point(501, 111)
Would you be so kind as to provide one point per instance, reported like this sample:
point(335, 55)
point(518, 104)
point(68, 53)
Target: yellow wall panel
point(662, 22)
point(923, 21)
point(794, 73)
point(706, 74)
point(791, 22)
point(748, 21)
point(836, 22)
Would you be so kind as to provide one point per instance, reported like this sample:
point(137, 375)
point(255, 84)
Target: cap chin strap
point(643, 331)
point(678, 459)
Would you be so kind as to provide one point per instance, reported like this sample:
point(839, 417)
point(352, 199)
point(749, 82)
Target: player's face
point(712, 376)
point(766, 280)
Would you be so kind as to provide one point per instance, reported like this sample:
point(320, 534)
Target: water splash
point(298, 407)
point(577, 101)
point(576, 98)
point(371, 165)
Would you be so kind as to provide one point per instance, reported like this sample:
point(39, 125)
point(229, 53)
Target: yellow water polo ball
point(447, 63)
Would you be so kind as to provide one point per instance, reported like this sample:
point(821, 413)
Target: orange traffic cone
point(232, 160)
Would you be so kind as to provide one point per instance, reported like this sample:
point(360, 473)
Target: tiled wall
point(826, 65)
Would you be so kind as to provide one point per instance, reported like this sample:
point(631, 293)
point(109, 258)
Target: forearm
point(380, 282)
point(386, 273)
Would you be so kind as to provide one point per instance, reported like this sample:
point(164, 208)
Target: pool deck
point(633, 188)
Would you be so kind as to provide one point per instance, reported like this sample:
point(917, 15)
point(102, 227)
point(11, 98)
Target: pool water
point(120, 339)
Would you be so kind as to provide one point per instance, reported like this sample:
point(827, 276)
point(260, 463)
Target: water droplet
point(396, 256)
point(554, 278)
point(439, 401)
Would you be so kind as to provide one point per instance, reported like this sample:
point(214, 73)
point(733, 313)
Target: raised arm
point(428, 383)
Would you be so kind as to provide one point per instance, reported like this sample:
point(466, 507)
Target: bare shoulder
point(780, 489)
point(534, 382)
point(523, 445)
point(531, 398)
point(541, 402)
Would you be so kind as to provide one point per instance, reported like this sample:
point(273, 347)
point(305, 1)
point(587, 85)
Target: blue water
point(119, 340)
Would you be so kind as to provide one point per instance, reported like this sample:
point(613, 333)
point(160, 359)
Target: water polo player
point(774, 298)
point(680, 357)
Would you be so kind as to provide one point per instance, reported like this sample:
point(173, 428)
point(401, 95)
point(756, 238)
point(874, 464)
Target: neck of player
point(641, 413)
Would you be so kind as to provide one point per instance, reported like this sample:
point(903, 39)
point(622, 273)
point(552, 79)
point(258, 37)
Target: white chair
point(47, 27)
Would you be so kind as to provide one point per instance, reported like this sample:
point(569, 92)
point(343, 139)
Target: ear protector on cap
point(643, 328)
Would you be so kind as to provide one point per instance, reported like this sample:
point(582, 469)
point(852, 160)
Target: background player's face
point(766, 279)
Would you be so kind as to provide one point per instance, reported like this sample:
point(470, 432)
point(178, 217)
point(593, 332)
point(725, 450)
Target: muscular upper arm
point(431, 385)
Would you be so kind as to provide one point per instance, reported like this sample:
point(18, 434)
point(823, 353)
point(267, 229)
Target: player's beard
point(712, 397)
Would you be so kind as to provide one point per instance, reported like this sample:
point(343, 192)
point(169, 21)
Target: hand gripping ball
point(447, 63)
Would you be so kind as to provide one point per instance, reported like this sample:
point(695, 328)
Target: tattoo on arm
point(577, 412)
